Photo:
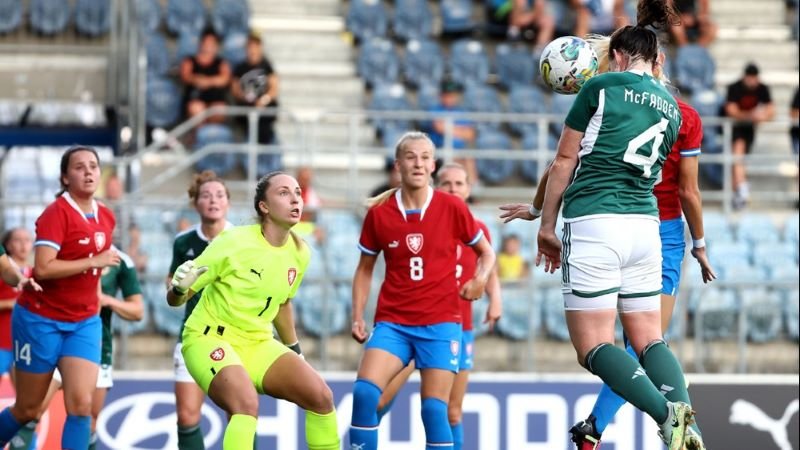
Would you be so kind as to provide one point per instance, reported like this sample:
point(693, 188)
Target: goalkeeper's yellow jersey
point(247, 281)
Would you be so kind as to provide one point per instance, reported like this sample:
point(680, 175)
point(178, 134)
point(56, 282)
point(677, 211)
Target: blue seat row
point(190, 16)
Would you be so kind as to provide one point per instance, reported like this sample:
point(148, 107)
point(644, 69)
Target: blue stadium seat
point(559, 106)
point(782, 272)
point(738, 271)
point(230, 16)
point(717, 225)
point(694, 68)
point(423, 63)
point(93, 17)
point(220, 161)
point(427, 96)
point(716, 316)
point(479, 308)
point(791, 229)
point(339, 221)
point(763, 312)
point(757, 228)
point(10, 15)
point(149, 14)
point(389, 97)
point(493, 171)
point(525, 100)
point(468, 62)
point(366, 19)
point(234, 47)
point(727, 252)
point(555, 321)
point(412, 19)
point(49, 17)
point(377, 62)
point(707, 103)
point(320, 313)
point(342, 253)
point(186, 46)
point(166, 319)
point(390, 135)
point(792, 314)
point(529, 168)
point(186, 16)
point(772, 254)
point(456, 16)
point(515, 65)
point(521, 317)
point(157, 52)
point(482, 98)
point(163, 102)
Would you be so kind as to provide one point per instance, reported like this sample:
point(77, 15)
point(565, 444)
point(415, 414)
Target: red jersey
point(419, 246)
point(688, 143)
point(75, 235)
point(465, 270)
point(8, 294)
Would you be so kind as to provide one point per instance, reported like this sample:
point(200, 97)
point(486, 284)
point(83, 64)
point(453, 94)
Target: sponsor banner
point(501, 411)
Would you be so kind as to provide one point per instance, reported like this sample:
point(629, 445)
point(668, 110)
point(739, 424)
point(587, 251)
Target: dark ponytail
point(65, 163)
point(640, 41)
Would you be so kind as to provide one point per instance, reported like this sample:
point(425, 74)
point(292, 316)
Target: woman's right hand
point(513, 211)
point(104, 259)
point(359, 331)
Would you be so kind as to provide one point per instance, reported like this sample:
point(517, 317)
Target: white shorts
point(105, 377)
point(181, 373)
point(611, 262)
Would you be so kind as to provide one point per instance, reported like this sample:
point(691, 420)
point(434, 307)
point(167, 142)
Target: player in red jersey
point(453, 179)
point(418, 313)
point(18, 245)
point(60, 325)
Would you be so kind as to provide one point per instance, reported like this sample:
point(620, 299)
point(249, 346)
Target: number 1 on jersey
point(415, 263)
point(269, 300)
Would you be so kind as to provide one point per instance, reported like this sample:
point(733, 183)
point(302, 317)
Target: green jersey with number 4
point(630, 122)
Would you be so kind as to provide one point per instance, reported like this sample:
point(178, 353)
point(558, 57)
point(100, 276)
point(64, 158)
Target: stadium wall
point(502, 411)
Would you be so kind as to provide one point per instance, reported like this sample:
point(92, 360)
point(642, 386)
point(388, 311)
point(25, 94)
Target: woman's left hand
point(30, 284)
point(550, 249)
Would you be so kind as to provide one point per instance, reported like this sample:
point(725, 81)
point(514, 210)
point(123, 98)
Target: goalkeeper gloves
point(185, 276)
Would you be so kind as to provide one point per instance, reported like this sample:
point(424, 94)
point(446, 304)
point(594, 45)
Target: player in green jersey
point(210, 198)
point(248, 275)
point(123, 279)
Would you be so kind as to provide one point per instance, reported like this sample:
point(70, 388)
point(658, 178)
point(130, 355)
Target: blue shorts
point(6, 358)
point(467, 341)
point(40, 342)
point(431, 346)
point(673, 247)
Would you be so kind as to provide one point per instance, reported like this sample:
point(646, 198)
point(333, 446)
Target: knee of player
point(320, 399)
point(188, 415)
point(26, 413)
point(246, 404)
point(585, 359)
point(454, 413)
point(78, 404)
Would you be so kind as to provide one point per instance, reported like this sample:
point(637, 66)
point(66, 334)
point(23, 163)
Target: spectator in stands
point(526, 19)
point(255, 83)
point(606, 16)
point(113, 188)
point(392, 178)
point(206, 76)
point(572, 17)
point(511, 266)
point(794, 115)
point(463, 130)
point(133, 250)
point(695, 25)
point(748, 102)
point(183, 224)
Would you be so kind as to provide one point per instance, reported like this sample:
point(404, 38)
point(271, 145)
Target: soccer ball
point(566, 63)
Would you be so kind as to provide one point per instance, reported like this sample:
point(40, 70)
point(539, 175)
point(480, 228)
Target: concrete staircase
point(757, 31)
point(315, 60)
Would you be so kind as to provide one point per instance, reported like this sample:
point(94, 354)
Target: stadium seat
point(792, 314)
point(757, 228)
point(479, 308)
point(707, 103)
point(149, 14)
point(482, 98)
point(468, 62)
point(339, 221)
point(559, 107)
point(716, 315)
point(230, 16)
point(93, 17)
point(320, 313)
point(342, 254)
point(694, 69)
point(736, 271)
point(726, 252)
point(11, 112)
point(234, 47)
point(515, 65)
point(521, 317)
point(763, 312)
point(423, 63)
point(412, 19)
point(529, 168)
point(390, 135)
point(456, 16)
point(783, 272)
point(220, 161)
point(157, 52)
point(377, 62)
point(493, 170)
point(10, 15)
point(49, 17)
point(163, 102)
point(791, 229)
point(772, 254)
point(524, 99)
point(186, 16)
point(389, 97)
point(186, 46)
point(366, 19)
point(717, 227)
point(166, 319)
point(555, 320)
point(427, 96)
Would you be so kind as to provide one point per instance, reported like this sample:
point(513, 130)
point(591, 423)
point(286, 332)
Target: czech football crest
point(291, 275)
point(99, 240)
point(218, 354)
point(454, 347)
point(414, 242)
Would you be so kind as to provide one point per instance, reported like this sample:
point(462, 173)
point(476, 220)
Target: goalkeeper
point(248, 276)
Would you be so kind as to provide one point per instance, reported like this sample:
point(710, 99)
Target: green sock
point(240, 432)
point(93, 441)
point(321, 431)
point(665, 372)
point(627, 378)
point(190, 438)
point(24, 437)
